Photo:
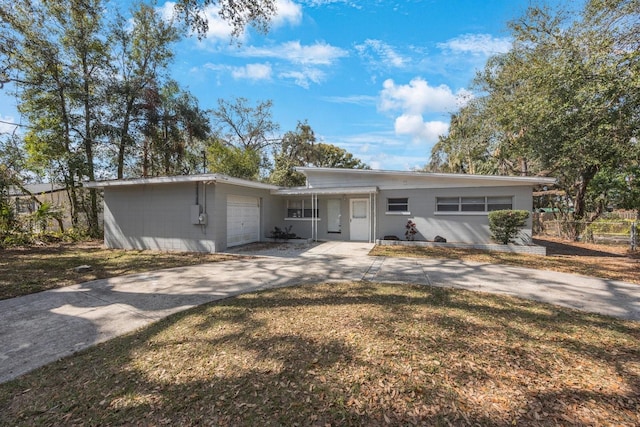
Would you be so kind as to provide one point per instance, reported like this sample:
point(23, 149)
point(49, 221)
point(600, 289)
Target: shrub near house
point(505, 225)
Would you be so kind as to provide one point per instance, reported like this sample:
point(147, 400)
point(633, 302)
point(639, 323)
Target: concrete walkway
point(40, 328)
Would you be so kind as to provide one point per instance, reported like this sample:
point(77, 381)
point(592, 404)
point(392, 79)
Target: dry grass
point(608, 262)
point(34, 269)
point(348, 354)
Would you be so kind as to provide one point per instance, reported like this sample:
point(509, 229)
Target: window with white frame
point(398, 204)
point(473, 204)
point(301, 209)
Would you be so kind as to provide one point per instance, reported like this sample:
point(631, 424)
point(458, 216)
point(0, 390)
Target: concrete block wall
point(155, 217)
point(455, 227)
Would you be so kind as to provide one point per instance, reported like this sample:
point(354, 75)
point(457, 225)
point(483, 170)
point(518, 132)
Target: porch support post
point(315, 221)
point(370, 210)
point(375, 216)
point(314, 217)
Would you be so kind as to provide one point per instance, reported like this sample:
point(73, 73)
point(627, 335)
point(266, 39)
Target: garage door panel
point(243, 220)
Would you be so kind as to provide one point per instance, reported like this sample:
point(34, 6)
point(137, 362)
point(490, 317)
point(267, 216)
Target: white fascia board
point(223, 179)
point(206, 178)
point(303, 191)
point(531, 180)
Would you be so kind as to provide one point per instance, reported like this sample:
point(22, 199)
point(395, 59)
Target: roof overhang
point(35, 189)
point(452, 177)
point(205, 178)
point(304, 191)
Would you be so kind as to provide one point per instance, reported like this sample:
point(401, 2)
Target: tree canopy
point(564, 101)
point(299, 148)
point(93, 91)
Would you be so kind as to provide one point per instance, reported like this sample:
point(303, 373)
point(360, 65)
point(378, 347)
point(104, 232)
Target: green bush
point(506, 224)
point(17, 238)
point(606, 226)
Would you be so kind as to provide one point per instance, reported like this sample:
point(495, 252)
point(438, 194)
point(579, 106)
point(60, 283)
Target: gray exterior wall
point(303, 227)
point(218, 210)
point(455, 227)
point(158, 216)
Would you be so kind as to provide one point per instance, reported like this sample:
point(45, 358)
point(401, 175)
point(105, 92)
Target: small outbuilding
point(212, 212)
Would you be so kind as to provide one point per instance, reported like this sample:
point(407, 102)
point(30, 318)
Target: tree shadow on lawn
point(556, 247)
point(348, 354)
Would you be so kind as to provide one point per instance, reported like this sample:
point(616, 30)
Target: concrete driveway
point(40, 328)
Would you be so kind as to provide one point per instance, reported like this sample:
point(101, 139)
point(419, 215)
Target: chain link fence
point(619, 231)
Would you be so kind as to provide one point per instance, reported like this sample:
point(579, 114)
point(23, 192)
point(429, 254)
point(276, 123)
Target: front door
point(359, 219)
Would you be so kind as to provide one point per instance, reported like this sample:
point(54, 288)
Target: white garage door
point(243, 220)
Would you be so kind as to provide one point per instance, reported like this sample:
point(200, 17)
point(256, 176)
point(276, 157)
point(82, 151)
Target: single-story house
point(212, 212)
point(25, 203)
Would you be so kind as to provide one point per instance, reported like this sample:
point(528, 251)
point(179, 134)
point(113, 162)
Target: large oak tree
point(564, 101)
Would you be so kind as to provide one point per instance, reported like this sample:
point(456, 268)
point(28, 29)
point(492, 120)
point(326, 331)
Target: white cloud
point(252, 72)
point(305, 77)
point(380, 54)
point(352, 99)
point(287, 12)
point(212, 67)
point(383, 149)
point(319, 3)
point(168, 11)
point(218, 28)
point(477, 44)
point(415, 126)
point(307, 60)
point(319, 53)
point(418, 97)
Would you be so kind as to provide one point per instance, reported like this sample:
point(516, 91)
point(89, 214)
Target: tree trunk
point(124, 137)
point(92, 214)
point(579, 203)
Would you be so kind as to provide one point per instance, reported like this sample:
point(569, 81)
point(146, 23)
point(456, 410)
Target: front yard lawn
point(348, 354)
point(27, 270)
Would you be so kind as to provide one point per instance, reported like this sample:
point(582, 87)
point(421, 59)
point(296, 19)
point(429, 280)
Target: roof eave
point(524, 179)
point(206, 178)
point(304, 191)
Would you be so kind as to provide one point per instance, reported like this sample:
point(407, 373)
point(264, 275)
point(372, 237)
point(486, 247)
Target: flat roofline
point(302, 191)
point(206, 178)
point(460, 176)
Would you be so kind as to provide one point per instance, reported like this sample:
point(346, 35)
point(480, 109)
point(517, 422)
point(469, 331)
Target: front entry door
point(359, 219)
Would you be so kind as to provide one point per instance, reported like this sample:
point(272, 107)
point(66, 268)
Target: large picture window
point(473, 204)
point(301, 209)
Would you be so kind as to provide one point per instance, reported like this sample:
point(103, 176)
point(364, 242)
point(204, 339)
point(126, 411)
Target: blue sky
point(378, 78)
